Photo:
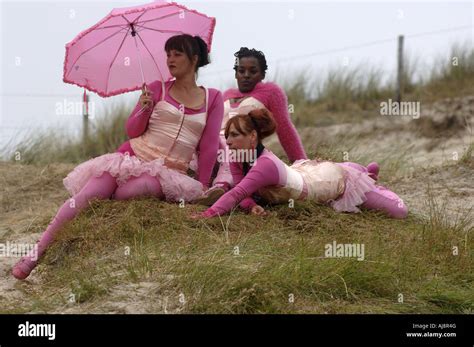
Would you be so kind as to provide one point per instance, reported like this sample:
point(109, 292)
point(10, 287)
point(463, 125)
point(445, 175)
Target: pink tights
point(382, 199)
point(102, 187)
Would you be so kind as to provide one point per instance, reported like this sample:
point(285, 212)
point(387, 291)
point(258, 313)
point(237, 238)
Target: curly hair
point(244, 52)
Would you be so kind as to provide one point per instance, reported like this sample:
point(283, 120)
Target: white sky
point(37, 31)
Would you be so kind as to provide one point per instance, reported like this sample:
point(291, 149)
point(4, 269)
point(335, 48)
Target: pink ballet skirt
point(336, 184)
point(357, 184)
point(176, 185)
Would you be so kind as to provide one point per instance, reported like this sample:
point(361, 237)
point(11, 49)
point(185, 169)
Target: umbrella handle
point(145, 88)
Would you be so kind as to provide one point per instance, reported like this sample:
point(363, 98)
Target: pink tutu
point(176, 185)
point(357, 183)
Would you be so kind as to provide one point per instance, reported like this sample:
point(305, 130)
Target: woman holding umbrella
point(171, 122)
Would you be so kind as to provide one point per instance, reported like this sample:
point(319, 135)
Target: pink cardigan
point(275, 100)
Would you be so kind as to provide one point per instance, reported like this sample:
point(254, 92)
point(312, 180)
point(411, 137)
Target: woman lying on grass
point(343, 186)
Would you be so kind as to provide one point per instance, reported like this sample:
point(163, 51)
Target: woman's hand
point(197, 215)
point(209, 213)
point(258, 210)
point(146, 99)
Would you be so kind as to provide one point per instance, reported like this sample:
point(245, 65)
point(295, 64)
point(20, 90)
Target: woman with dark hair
point(343, 186)
point(172, 121)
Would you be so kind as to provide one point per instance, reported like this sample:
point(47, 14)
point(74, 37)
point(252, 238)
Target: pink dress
point(337, 184)
point(172, 136)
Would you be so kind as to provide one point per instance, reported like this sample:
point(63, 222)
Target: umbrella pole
point(139, 60)
point(134, 34)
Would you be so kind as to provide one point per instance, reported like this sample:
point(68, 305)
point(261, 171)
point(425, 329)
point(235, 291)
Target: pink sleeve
point(209, 143)
point(138, 120)
point(237, 175)
point(287, 134)
point(263, 173)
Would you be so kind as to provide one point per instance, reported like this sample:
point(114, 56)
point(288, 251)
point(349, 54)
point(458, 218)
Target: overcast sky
point(34, 33)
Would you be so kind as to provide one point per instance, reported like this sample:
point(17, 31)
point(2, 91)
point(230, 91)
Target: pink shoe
point(23, 268)
point(373, 169)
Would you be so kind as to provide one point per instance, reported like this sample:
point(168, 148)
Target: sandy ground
point(434, 145)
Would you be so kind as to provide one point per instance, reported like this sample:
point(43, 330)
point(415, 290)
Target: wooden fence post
point(400, 70)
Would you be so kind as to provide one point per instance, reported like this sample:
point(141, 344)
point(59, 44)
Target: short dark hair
point(191, 46)
point(244, 52)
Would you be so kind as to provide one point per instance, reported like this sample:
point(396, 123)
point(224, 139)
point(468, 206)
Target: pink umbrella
point(126, 48)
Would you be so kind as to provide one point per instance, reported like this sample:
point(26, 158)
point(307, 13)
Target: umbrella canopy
point(126, 48)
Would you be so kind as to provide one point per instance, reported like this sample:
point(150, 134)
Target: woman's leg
point(385, 200)
point(97, 187)
point(372, 169)
point(143, 185)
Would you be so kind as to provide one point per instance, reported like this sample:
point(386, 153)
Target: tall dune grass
point(362, 87)
point(106, 134)
point(343, 96)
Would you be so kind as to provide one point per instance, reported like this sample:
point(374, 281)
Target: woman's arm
point(264, 173)
point(209, 143)
point(138, 121)
point(237, 175)
point(286, 131)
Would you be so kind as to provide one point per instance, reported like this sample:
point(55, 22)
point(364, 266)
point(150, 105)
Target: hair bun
point(264, 122)
point(203, 51)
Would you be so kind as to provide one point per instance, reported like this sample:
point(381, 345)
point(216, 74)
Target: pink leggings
point(382, 199)
point(103, 187)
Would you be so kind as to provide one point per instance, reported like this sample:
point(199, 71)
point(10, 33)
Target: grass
point(260, 265)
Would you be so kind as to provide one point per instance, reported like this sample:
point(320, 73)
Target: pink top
point(275, 100)
point(139, 121)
